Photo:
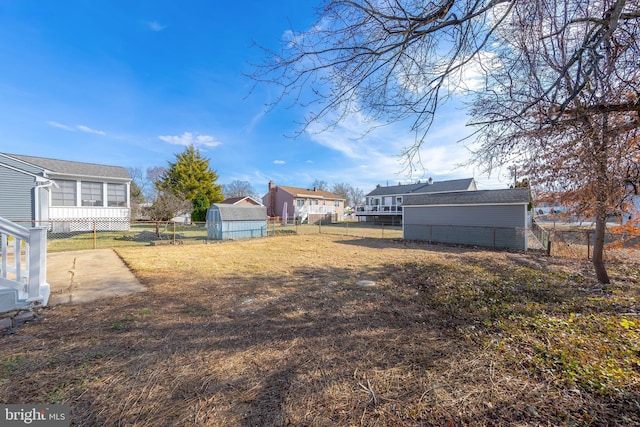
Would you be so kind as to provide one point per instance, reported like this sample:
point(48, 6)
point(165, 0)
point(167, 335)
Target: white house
point(384, 203)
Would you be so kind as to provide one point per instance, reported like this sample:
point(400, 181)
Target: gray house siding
point(480, 216)
point(37, 201)
point(16, 194)
point(492, 237)
point(490, 218)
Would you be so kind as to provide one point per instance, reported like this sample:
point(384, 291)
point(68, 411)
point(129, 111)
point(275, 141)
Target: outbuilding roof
point(66, 167)
point(480, 197)
point(424, 188)
point(310, 193)
point(237, 200)
point(240, 212)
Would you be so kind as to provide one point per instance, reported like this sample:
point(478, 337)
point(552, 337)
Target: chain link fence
point(66, 235)
point(579, 242)
point(81, 234)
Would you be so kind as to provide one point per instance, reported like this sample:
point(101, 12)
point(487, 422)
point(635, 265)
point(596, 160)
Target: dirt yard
point(319, 330)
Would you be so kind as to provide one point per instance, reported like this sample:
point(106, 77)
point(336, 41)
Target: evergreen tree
point(190, 175)
point(200, 205)
point(136, 195)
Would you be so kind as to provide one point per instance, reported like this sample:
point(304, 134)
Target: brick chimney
point(271, 208)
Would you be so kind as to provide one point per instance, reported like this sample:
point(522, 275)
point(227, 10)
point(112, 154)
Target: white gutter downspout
point(41, 182)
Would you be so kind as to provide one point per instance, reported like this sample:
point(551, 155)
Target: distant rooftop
point(304, 192)
point(479, 197)
point(425, 187)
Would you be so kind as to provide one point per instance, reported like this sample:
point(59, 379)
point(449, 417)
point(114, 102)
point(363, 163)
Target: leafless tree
point(153, 175)
point(352, 195)
point(321, 185)
point(238, 188)
point(167, 205)
point(548, 74)
point(562, 101)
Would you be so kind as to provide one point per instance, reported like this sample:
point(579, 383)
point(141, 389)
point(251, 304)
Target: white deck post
point(25, 281)
point(37, 261)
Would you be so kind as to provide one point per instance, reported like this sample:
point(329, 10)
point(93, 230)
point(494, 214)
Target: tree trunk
point(598, 249)
point(601, 146)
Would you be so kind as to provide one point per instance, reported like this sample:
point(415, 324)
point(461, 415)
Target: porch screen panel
point(91, 193)
point(64, 194)
point(117, 195)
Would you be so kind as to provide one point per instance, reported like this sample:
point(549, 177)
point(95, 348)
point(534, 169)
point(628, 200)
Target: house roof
point(424, 188)
point(240, 212)
point(479, 197)
point(66, 167)
point(311, 193)
point(236, 200)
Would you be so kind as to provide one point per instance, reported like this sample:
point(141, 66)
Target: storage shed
point(489, 218)
point(230, 222)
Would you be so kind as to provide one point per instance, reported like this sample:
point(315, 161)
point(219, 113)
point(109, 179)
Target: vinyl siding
point(495, 226)
point(483, 216)
point(492, 237)
point(16, 195)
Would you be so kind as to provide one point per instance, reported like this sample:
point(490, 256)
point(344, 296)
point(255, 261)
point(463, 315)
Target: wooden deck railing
point(23, 266)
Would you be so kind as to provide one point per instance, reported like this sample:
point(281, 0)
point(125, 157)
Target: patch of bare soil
point(282, 331)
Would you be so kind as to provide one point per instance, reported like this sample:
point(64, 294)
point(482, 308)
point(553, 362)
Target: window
point(336, 203)
point(316, 203)
point(398, 200)
point(300, 203)
point(64, 194)
point(91, 193)
point(117, 195)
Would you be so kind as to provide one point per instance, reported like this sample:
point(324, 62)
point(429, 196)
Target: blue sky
point(130, 83)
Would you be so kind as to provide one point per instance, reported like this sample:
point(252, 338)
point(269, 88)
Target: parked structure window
point(117, 195)
point(64, 194)
point(91, 193)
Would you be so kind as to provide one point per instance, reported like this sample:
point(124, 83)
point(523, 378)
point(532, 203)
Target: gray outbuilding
point(489, 218)
point(230, 222)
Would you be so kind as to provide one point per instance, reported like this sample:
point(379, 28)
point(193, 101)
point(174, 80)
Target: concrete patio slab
point(81, 276)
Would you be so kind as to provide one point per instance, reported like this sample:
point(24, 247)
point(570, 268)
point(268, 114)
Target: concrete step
point(9, 300)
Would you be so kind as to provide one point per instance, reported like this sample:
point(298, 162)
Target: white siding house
point(66, 195)
point(385, 203)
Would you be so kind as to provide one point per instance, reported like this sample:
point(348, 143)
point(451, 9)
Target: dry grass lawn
point(278, 331)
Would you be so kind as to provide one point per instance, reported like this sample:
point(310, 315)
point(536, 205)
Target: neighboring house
point(230, 222)
point(304, 205)
point(245, 200)
point(491, 218)
point(384, 204)
point(71, 196)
